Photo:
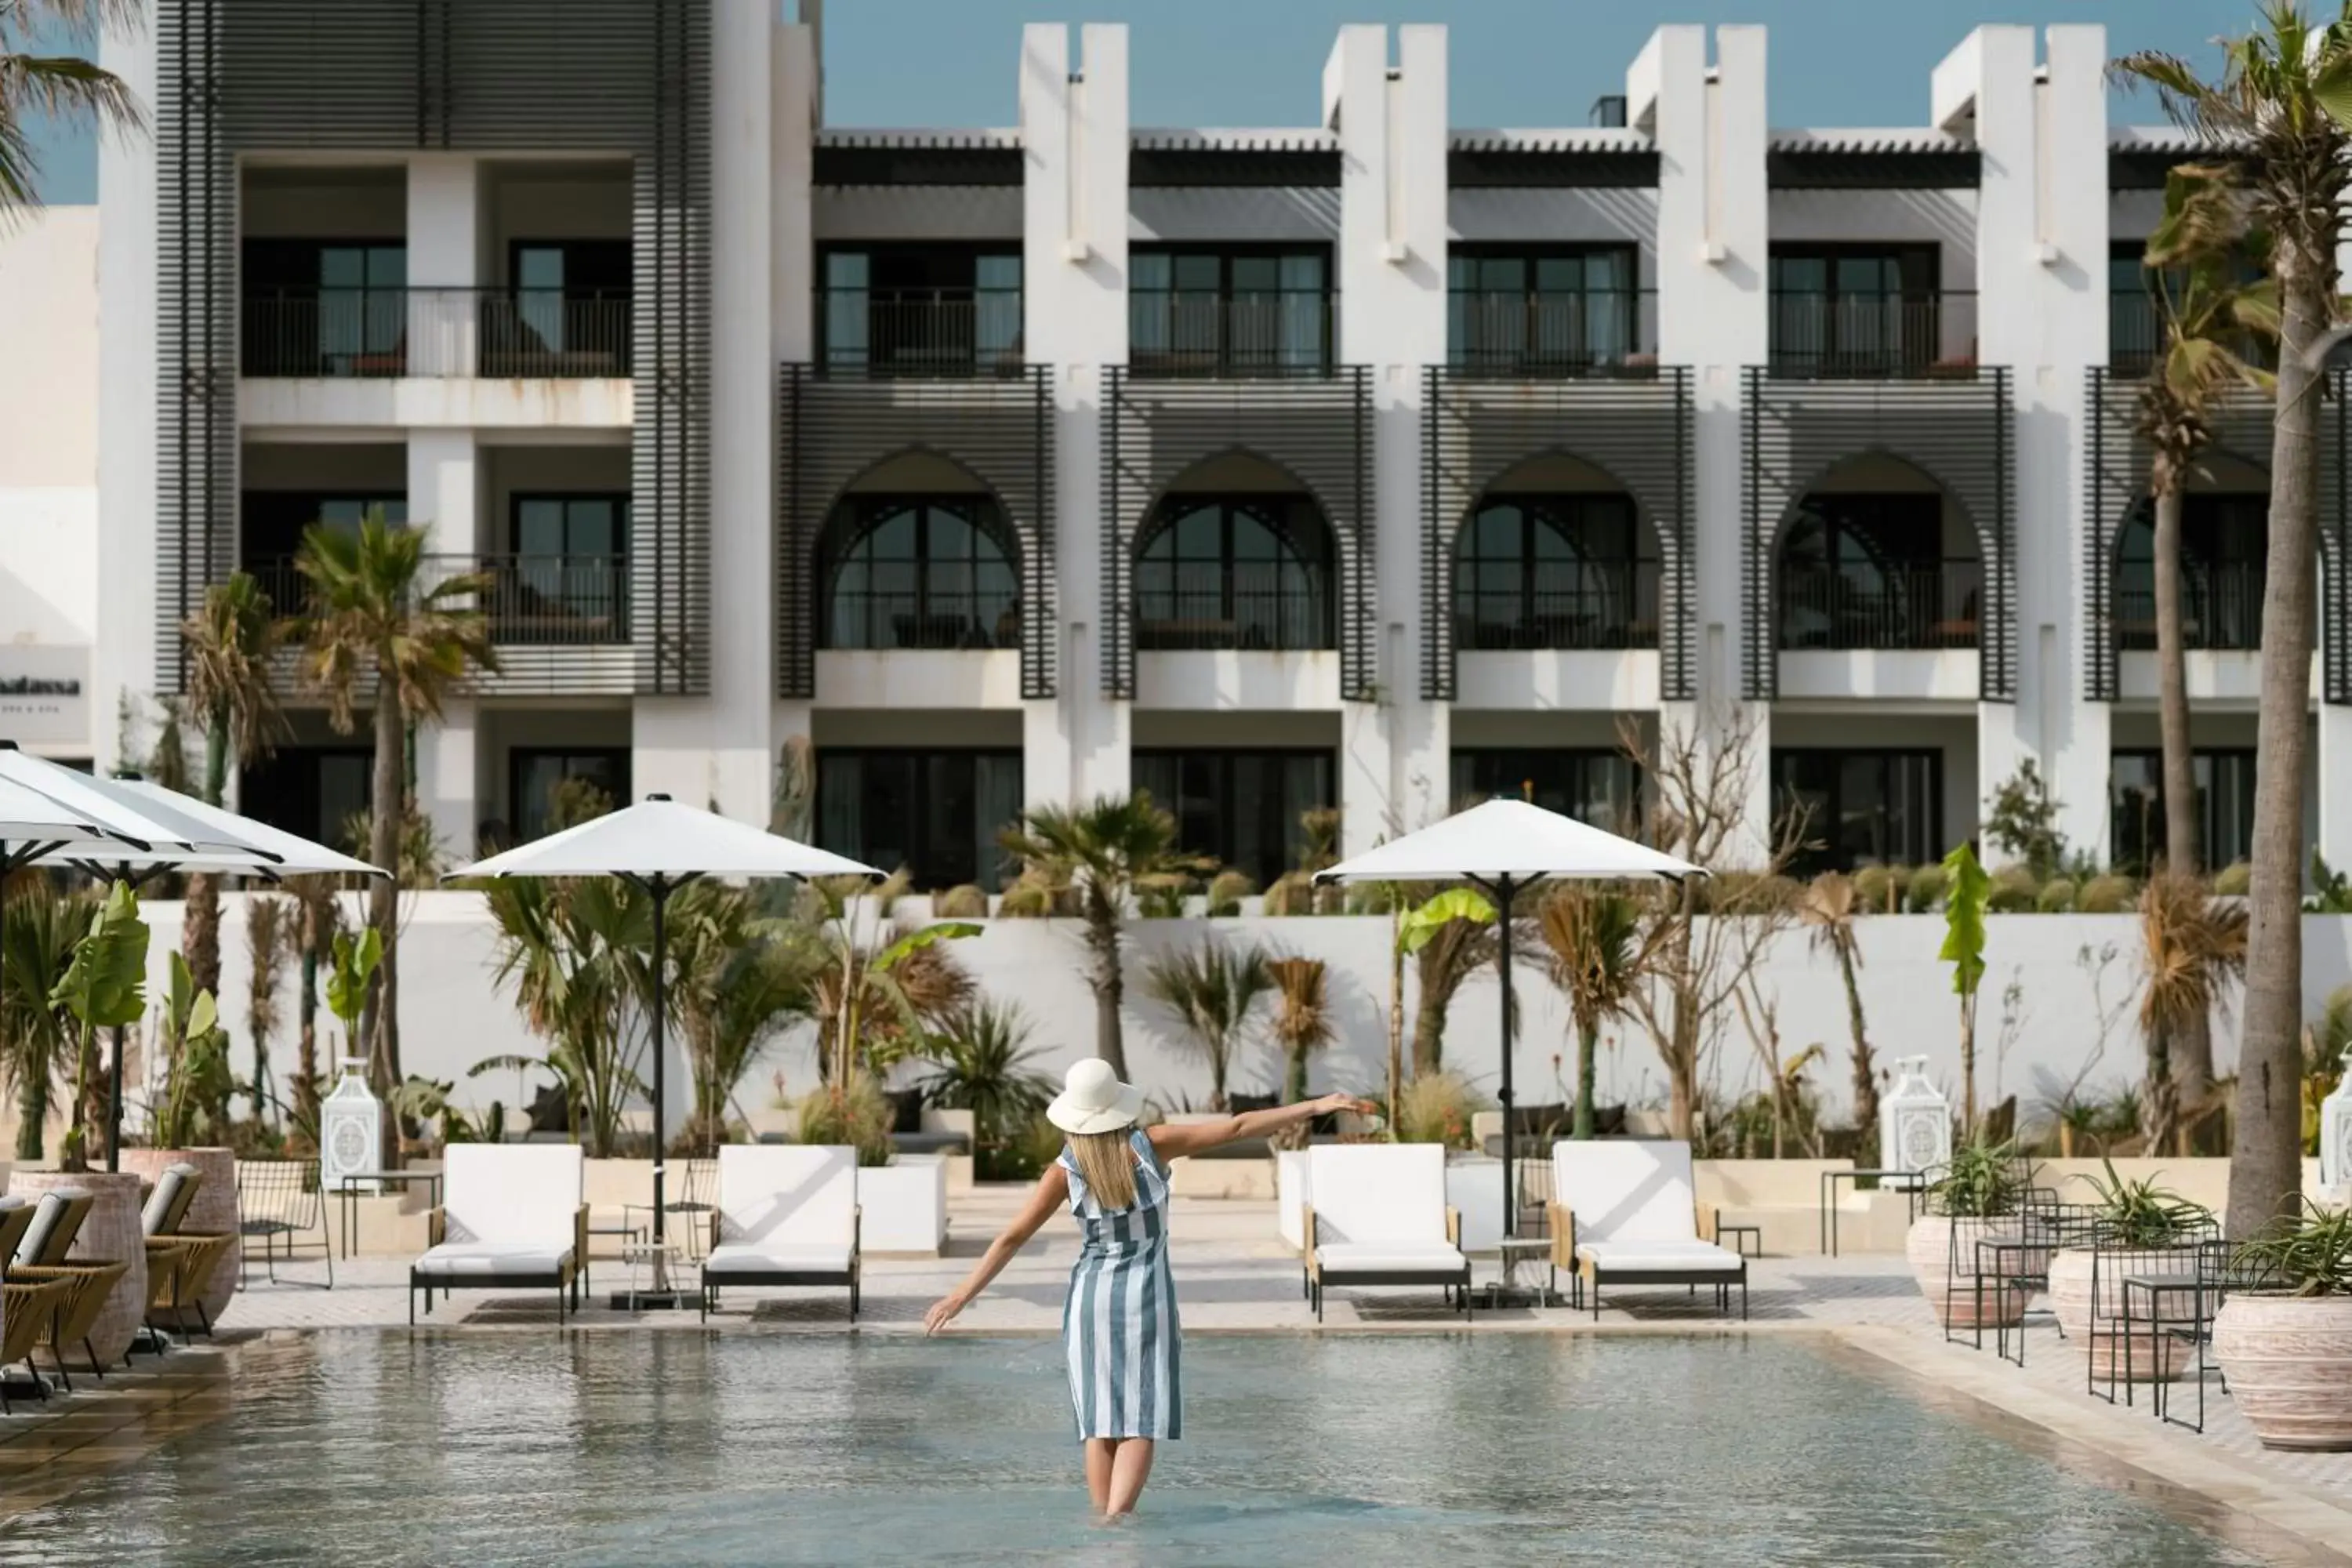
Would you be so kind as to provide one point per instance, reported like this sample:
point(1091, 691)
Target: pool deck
point(1234, 1276)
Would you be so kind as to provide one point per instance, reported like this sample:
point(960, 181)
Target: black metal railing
point(2136, 337)
point(437, 333)
point(1923, 335)
point(934, 618)
point(1588, 604)
point(1926, 605)
point(920, 332)
point(2221, 607)
point(1253, 608)
point(1537, 335)
point(1172, 332)
point(531, 600)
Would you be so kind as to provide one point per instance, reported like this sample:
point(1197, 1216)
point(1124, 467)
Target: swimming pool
point(673, 1448)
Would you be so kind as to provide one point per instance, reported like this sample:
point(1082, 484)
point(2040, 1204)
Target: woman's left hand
point(942, 1313)
point(1331, 1103)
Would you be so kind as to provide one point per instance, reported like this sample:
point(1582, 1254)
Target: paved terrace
point(1234, 1275)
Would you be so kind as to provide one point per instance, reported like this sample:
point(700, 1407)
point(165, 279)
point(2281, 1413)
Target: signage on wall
point(44, 695)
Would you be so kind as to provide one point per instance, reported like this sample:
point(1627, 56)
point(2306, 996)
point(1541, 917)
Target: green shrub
point(2014, 892)
point(2235, 880)
point(1226, 891)
point(2112, 894)
point(1436, 1107)
point(1367, 897)
point(1023, 1158)
point(1926, 890)
point(2056, 898)
point(857, 1115)
point(1878, 890)
point(1031, 896)
point(1292, 894)
point(960, 903)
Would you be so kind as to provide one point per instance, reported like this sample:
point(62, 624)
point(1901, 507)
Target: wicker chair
point(178, 1261)
point(40, 1259)
point(29, 1313)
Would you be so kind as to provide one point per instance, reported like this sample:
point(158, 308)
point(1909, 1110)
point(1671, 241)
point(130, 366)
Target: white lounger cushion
point(1384, 1193)
point(1659, 1256)
point(459, 1259)
point(1388, 1258)
point(784, 1196)
point(1625, 1189)
point(778, 1258)
point(521, 1194)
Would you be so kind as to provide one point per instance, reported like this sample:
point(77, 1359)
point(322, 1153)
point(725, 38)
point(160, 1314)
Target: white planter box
point(1291, 1196)
point(903, 1207)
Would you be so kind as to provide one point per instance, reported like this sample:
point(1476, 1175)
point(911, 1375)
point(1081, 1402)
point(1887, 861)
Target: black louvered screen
point(1317, 429)
point(1637, 429)
point(833, 429)
point(2120, 464)
point(1954, 428)
point(628, 78)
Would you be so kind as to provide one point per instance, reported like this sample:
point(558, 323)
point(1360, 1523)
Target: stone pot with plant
point(2285, 1346)
point(1975, 1197)
point(2136, 1227)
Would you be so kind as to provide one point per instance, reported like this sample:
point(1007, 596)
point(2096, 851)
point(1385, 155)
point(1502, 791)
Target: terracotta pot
point(2149, 1357)
point(110, 1234)
point(213, 1213)
point(1928, 1248)
point(2289, 1362)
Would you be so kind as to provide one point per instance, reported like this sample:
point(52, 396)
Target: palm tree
point(228, 645)
point(982, 1059)
point(1601, 951)
point(1451, 953)
point(1302, 1019)
point(1099, 857)
point(1828, 905)
point(576, 951)
point(376, 631)
point(38, 931)
point(2194, 947)
point(269, 927)
point(735, 982)
point(1210, 989)
point(2277, 114)
point(65, 90)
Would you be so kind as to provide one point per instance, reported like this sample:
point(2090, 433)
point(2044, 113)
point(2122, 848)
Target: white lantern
point(1914, 1122)
point(350, 1131)
point(2335, 1134)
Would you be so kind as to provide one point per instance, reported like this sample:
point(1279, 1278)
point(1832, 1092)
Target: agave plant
point(2309, 1254)
point(1981, 1181)
point(2141, 1213)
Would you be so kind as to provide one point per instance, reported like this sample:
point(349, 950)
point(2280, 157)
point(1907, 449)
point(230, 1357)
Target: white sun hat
point(1094, 1100)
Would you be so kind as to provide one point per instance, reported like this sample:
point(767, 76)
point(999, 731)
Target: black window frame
point(1880, 595)
point(263, 786)
point(1268, 858)
point(296, 322)
point(1820, 850)
point(954, 326)
point(1200, 331)
point(2147, 824)
point(932, 864)
point(524, 812)
point(564, 595)
point(983, 620)
point(1550, 338)
point(1517, 773)
point(1303, 542)
point(2221, 588)
point(1843, 329)
point(271, 511)
point(1630, 582)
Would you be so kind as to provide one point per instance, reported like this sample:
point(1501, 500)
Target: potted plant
point(189, 1128)
point(2136, 1217)
point(2286, 1348)
point(1981, 1186)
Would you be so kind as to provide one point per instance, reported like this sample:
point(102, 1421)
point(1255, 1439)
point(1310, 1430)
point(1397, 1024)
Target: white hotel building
point(1369, 461)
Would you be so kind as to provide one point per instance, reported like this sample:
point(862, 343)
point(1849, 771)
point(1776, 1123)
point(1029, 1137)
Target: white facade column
point(444, 495)
point(1074, 139)
point(445, 253)
point(2042, 248)
point(715, 750)
point(123, 658)
point(1391, 267)
point(1710, 130)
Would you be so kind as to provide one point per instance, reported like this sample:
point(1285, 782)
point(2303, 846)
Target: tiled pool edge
point(2130, 1438)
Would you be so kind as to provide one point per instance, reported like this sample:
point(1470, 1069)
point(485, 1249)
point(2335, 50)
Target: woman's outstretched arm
point(1193, 1138)
point(1052, 1191)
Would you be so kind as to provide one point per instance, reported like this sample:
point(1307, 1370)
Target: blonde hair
point(1106, 1161)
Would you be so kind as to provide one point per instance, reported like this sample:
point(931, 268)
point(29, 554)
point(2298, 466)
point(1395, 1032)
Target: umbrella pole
point(1505, 891)
point(659, 887)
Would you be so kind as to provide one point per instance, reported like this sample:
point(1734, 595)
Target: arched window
point(1872, 570)
point(1568, 570)
point(2224, 547)
point(1234, 573)
point(928, 572)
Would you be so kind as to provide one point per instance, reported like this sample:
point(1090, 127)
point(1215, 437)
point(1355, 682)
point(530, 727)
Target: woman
point(1119, 1322)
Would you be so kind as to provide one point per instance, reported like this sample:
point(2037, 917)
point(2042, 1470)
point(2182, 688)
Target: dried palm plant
point(1303, 1024)
point(2194, 949)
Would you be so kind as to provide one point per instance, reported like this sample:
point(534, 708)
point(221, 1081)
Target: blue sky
point(1515, 62)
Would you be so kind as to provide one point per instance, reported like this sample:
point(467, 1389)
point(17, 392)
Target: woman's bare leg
point(1130, 1468)
point(1099, 1453)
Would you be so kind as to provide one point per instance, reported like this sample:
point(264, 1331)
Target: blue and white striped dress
point(1119, 1322)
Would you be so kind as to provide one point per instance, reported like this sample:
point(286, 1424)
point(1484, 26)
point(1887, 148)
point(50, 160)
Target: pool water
point(790, 1448)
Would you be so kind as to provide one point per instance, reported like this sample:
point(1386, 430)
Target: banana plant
point(355, 961)
point(105, 987)
point(1963, 949)
point(196, 1066)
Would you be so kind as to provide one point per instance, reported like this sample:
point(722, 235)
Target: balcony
point(1176, 335)
point(1536, 336)
point(919, 333)
point(1927, 335)
point(2221, 608)
point(1243, 609)
point(532, 601)
point(1919, 608)
point(1573, 606)
point(935, 620)
point(392, 333)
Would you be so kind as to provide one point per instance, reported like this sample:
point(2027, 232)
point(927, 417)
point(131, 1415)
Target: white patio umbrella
point(660, 845)
point(1504, 847)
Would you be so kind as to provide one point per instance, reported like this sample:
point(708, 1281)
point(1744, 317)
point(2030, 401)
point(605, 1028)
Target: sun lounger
point(1377, 1216)
point(178, 1260)
point(1624, 1213)
point(510, 1217)
point(39, 1258)
point(28, 1313)
point(786, 1215)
